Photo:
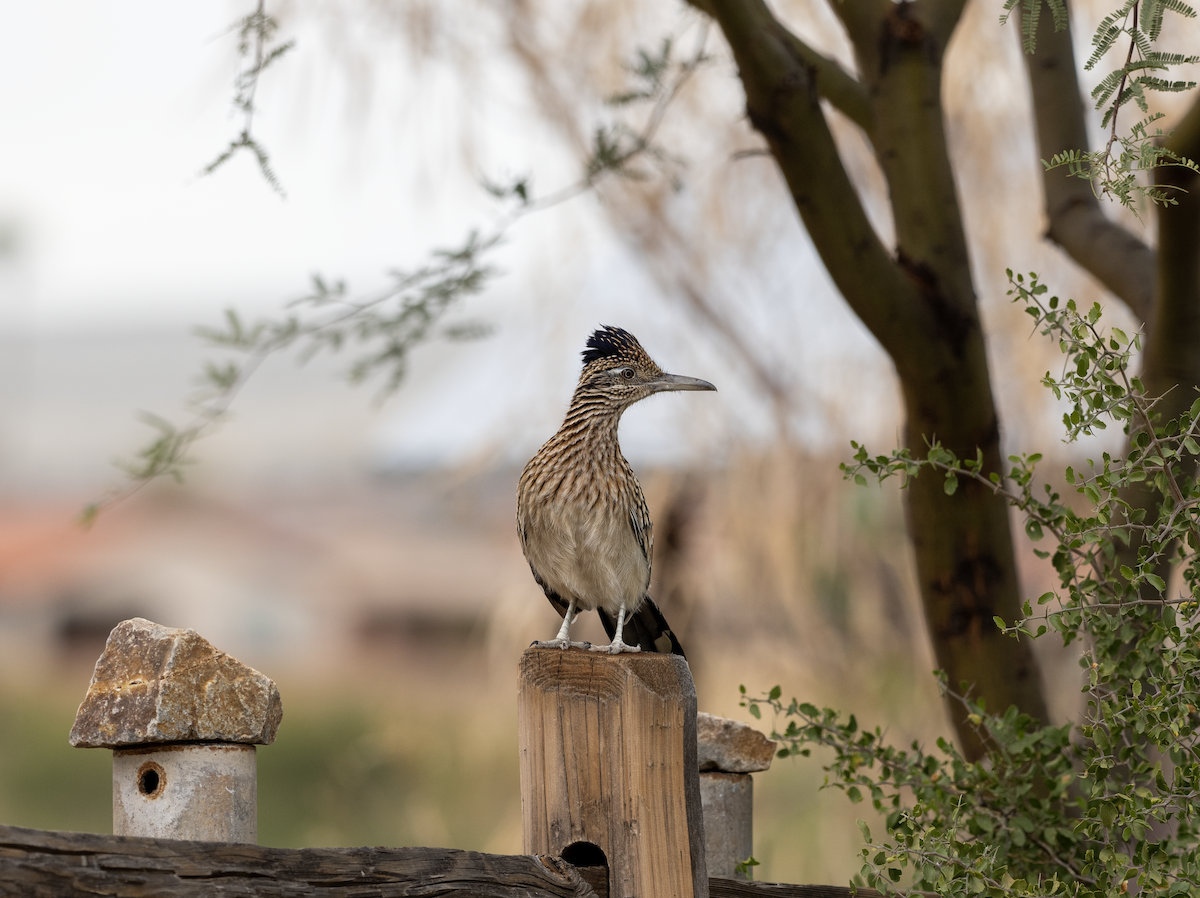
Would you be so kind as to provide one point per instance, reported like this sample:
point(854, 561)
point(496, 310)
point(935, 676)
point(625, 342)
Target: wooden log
point(737, 888)
point(52, 864)
point(79, 865)
point(608, 764)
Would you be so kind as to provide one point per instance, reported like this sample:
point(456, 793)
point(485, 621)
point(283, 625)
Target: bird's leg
point(564, 632)
point(618, 644)
point(563, 639)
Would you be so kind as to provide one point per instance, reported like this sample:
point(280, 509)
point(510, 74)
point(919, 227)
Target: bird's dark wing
point(647, 629)
point(643, 530)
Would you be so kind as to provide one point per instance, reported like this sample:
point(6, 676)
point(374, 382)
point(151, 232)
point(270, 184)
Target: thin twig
point(1112, 138)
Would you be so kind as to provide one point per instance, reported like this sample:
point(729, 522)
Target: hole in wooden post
point(151, 779)
point(589, 859)
point(584, 854)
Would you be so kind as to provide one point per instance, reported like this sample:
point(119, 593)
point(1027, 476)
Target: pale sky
point(111, 111)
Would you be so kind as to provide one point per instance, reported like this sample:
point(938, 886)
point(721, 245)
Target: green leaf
point(755, 713)
point(866, 832)
point(743, 867)
point(951, 485)
point(854, 795)
point(1156, 581)
point(87, 517)
point(775, 693)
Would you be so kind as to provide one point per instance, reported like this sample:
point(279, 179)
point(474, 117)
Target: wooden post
point(609, 764)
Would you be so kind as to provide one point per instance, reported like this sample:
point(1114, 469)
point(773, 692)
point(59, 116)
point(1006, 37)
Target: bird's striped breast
point(582, 517)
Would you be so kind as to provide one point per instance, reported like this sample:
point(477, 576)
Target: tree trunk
point(920, 304)
point(1171, 358)
point(1171, 366)
point(963, 543)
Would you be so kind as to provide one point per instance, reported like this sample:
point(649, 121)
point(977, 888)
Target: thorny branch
point(1116, 108)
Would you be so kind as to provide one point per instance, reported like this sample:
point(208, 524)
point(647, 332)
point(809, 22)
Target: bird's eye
point(627, 374)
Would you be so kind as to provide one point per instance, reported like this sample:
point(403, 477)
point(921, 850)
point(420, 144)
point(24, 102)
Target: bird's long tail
point(646, 628)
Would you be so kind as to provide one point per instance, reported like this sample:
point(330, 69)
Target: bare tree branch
point(783, 104)
point(835, 84)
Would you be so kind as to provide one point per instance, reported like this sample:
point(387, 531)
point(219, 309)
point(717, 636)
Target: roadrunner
point(581, 515)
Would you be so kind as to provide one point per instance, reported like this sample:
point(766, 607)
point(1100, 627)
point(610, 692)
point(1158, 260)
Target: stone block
point(156, 684)
point(731, 746)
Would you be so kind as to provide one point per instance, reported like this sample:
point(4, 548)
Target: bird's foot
point(562, 644)
point(616, 647)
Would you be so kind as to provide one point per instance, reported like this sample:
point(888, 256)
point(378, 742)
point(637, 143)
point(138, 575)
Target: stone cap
point(731, 746)
point(159, 684)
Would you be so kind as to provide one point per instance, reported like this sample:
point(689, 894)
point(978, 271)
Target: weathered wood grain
point(52, 864)
point(608, 757)
point(737, 888)
point(48, 864)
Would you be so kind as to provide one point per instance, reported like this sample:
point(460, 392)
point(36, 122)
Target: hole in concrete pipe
point(151, 779)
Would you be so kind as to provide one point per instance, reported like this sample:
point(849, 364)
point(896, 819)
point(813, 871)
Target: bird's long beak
point(665, 382)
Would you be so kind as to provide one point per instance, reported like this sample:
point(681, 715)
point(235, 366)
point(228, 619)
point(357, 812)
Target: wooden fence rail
point(50, 864)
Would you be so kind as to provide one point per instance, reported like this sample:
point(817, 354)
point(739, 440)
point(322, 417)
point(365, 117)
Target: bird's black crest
point(609, 342)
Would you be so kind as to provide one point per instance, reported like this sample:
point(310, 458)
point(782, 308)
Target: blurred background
point(361, 550)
